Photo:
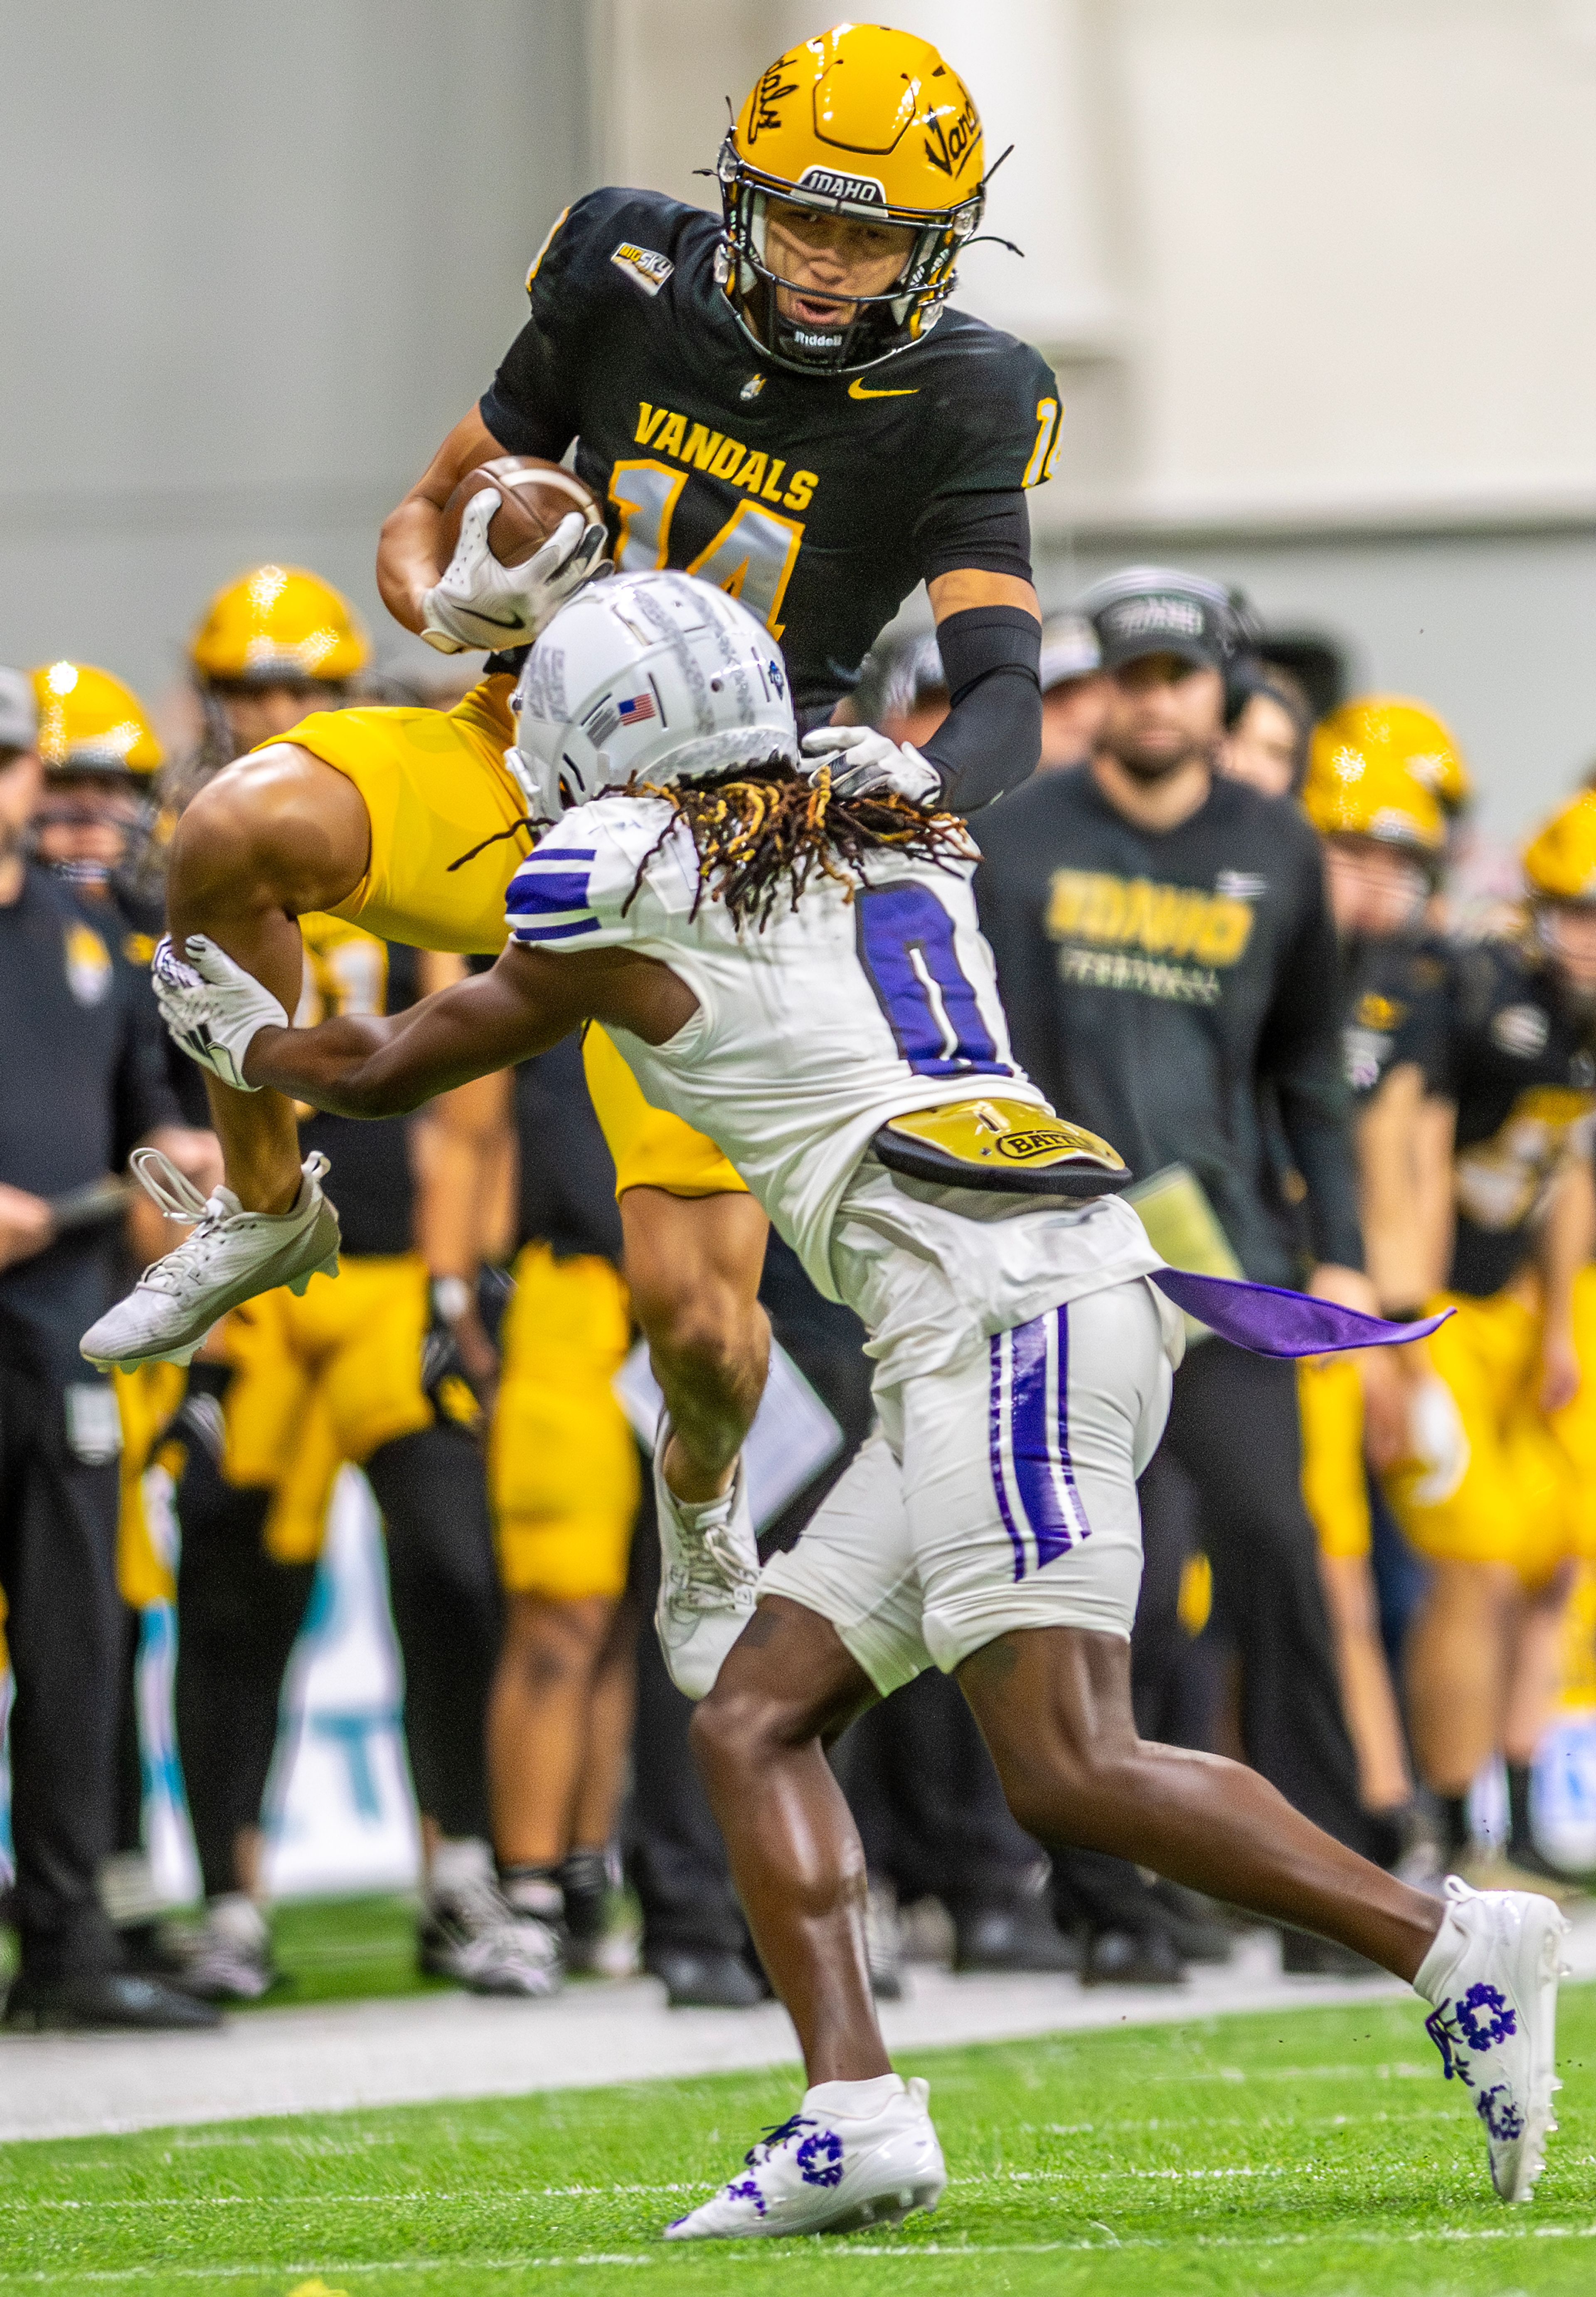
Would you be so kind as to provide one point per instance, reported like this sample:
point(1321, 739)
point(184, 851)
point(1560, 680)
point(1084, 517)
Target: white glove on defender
point(476, 602)
point(211, 1006)
point(865, 764)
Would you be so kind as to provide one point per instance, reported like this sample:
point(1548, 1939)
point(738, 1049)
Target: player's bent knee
point(217, 839)
point(709, 1331)
point(735, 1730)
point(279, 826)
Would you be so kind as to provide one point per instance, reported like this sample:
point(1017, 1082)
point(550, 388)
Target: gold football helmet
point(1358, 791)
point(1559, 861)
point(279, 626)
point(1410, 736)
point(872, 124)
point(1366, 775)
point(90, 722)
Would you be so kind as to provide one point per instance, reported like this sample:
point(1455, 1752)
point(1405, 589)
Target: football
point(534, 497)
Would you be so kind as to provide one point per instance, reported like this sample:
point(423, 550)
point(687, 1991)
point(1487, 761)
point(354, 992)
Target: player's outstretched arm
point(362, 1067)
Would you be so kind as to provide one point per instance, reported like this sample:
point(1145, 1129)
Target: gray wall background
point(253, 263)
point(1320, 277)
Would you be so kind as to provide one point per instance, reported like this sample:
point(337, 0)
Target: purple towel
point(1272, 1321)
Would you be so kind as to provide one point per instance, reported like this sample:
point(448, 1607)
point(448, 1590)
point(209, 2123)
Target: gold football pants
point(562, 1461)
point(1495, 1479)
point(437, 790)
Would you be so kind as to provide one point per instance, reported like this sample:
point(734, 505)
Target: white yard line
point(436, 2046)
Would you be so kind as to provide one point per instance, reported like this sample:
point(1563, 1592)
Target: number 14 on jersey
point(753, 556)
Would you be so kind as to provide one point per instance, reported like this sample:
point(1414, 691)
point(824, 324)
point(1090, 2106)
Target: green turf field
point(1318, 2152)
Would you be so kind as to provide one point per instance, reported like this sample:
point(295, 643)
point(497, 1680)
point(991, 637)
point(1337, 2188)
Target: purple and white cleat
point(831, 2171)
point(1493, 1976)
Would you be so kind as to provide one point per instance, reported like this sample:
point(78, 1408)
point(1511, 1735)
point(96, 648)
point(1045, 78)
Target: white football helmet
point(658, 675)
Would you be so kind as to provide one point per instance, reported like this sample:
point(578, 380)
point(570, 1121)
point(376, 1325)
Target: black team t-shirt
point(1393, 1000)
point(83, 1066)
point(1160, 986)
point(820, 500)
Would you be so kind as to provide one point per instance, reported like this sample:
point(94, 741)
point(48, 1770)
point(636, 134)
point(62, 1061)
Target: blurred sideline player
point(1497, 1490)
point(101, 757)
point(1266, 729)
point(1385, 838)
point(85, 1081)
point(780, 402)
point(289, 1389)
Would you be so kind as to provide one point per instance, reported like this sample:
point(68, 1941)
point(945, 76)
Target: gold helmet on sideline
point(1361, 781)
point(279, 626)
point(867, 124)
point(1409, 734)
point(91, 723)
point(1559, 861)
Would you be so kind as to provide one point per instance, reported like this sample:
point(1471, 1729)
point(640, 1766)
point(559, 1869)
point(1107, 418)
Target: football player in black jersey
point(1498, 1490)
point(779, 400)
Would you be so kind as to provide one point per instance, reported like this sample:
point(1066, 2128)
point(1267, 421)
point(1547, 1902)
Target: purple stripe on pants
point(1036, 1461)
point(994, 1427)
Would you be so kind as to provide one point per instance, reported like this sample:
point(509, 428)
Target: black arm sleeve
point(991, 738)
point(1299, 1052)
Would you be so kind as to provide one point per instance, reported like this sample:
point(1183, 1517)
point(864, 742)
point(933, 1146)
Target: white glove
point(211, 1006)
point(476, 602)
point(865, 764)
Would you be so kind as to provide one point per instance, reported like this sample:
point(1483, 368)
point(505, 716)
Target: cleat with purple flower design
point(823, 2171)
point(1492, 1975)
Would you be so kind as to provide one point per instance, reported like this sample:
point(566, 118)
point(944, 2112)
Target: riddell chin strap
point(1272, 1321)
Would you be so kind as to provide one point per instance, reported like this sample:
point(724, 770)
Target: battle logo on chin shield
point(1009, 1146)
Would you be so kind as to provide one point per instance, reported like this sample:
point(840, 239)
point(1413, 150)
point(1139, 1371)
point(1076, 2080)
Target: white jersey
point(809, 1035)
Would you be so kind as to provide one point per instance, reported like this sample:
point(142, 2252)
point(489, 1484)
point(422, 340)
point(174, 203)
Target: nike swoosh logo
point(856, 389)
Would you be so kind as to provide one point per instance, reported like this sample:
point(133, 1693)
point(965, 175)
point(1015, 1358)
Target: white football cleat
point(709, 1568)
point(230, 1256)
point(1493, 1976)
point(228, 1957)
point(828, 2172)
point(473, 1936)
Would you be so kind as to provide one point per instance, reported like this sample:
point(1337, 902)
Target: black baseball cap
point(1157, 610)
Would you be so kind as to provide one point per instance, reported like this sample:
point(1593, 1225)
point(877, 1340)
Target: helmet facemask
point(881, 324)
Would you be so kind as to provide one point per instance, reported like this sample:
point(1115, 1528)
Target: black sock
point(534, 1888)
point(1456, 1834)
point(585, 1879)
point(1521, 1834)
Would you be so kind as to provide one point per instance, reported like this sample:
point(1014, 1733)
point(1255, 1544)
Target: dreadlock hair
point(763, 831)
